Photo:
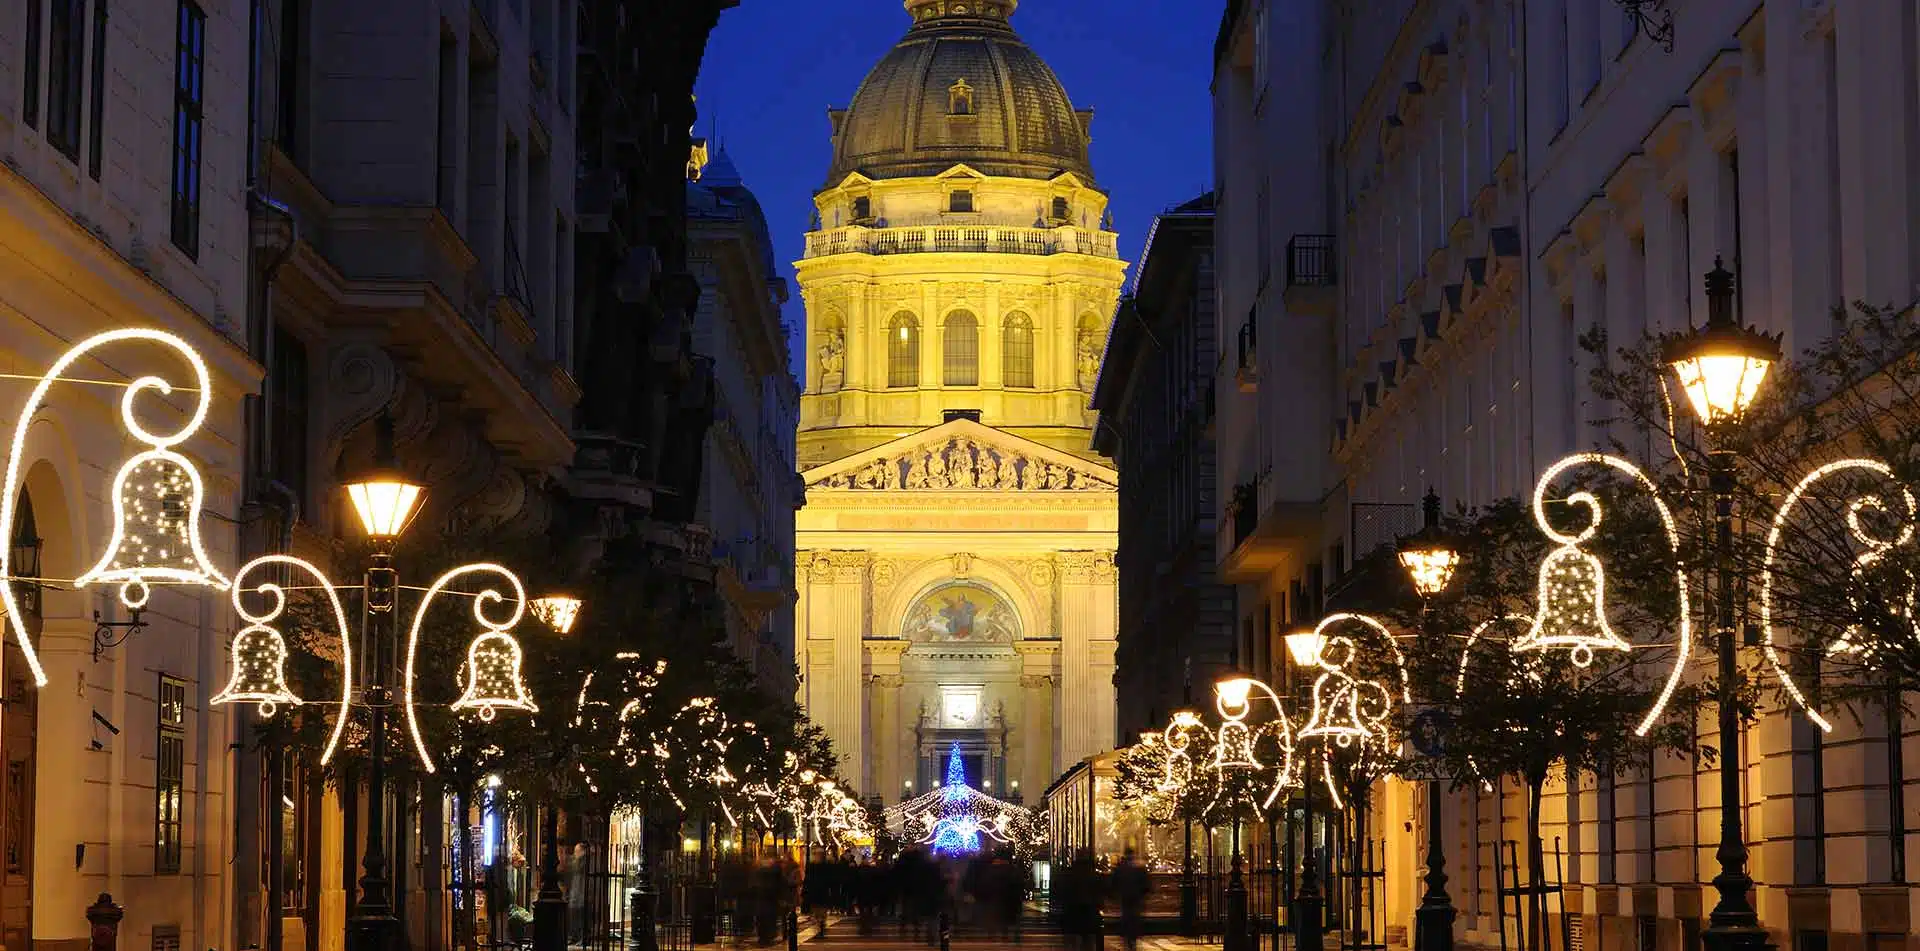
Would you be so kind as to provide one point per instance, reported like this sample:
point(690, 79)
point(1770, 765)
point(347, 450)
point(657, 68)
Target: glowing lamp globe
point(1305, 646)
point(558, 612)
point(1234, 692)
point(1721, 366)
point(1428, 554)
point(385, 502)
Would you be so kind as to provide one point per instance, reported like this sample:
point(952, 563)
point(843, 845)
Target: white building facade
point(1493, 180)
point(121, 205)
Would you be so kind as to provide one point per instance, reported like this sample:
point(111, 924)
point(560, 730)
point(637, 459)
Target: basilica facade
point(956, 576)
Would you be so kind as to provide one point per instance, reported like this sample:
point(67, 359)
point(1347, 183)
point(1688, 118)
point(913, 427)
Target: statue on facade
point(833, 352)
point(917, 477)
point(937, 469)
point(1089, 359)
point(1008, 477)
point(963, 467)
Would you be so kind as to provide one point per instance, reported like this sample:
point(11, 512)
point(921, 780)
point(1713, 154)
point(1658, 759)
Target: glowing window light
point(1572, 637)
point(1875, 550)
point(189, 561)
point(486, 599)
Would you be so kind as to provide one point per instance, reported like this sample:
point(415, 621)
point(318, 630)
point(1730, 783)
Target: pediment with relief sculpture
point(963, 456)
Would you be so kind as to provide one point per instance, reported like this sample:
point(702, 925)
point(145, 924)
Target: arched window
point(960, 98)
point(962, 349)
point(903, 350)
point(1016, 351)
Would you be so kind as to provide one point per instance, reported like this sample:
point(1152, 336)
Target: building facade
point(117, 777)
point(1487, 182)
point(1156, 400)
point(956, 549)
point(752, 486)
point(471, 219)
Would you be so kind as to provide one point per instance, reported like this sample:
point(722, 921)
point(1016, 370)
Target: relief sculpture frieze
point(965, 463)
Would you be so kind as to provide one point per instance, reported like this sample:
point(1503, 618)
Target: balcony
point(1310, 274)
point(1268, 533)
point(923, 239)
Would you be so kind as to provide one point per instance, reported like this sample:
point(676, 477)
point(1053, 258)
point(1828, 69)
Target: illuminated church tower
point(956, 550)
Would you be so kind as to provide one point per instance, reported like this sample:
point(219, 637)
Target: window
point(190, 50)
point(1061, 211)
point(287, 388)
point(960, 98)
point(169, 781)
point(293, 866)
point(97, 106)
point(286, 129)
point(862, 208)
point(960, 200)
point(66, 49)
point(903, 350)
point(1016, 351)
point(961, 350)
point(30, 104)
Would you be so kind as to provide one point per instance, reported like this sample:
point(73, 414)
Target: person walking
point(1130, 891)
point(577, 864)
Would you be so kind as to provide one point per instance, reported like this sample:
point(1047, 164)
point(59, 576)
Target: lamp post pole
point(373, 927)
point(1236, 936)
point(1189, 888)
point(550, 909)
point(1309, 933)
point(1720, 368)
point(1430, 560)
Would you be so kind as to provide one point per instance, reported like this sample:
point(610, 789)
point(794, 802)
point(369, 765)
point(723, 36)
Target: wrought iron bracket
point(108, 634)
point(1652, 19)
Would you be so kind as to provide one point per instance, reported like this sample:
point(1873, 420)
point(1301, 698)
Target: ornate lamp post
point(1309, 932)
point(386, 501)
point(1233, 751)
point(1430, 560)
point(1720, 368)
point(558, 612)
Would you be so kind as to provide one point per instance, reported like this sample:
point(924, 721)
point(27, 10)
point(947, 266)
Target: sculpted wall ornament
point(822, 567)
point(962, 563)
point(883, 574)
point(1040, 573)
point(962, 463)
point(833, 350)
point(1036, 681)
point(894, 681)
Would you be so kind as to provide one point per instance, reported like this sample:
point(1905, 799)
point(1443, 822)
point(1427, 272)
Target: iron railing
point(1310, 260)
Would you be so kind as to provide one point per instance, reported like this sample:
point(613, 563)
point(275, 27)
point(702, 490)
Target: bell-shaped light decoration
point(157, 497)
point(1233, 747)
point(556, 611)
point(259, 673)
point(1721, 365)
point(493, 676)
point(1572, 613)
point(1345, 710)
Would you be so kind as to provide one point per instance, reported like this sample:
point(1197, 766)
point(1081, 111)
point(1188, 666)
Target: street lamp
point(1233, 750)
point(1309, 932)
point(557, 611)
point(386, 502)
point(1430, 560)
point(1720, 367)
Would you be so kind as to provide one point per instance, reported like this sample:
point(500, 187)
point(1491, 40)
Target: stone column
point(889, 726)
point(1087, 643)
point(1034, 732)
point(836, 606)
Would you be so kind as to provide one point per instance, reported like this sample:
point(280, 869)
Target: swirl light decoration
point(496, 633)
point(156, 495)
point(259, 651)
point(1572, 589)
point(1874, 550)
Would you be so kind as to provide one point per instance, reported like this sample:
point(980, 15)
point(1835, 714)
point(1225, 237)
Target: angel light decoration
point(156, 495)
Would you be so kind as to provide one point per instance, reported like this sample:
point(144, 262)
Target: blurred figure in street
point(577, 868)
point(1130, 891)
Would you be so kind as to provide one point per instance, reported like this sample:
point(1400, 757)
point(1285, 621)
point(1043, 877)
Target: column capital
point(887, 680)
point(1036, 681)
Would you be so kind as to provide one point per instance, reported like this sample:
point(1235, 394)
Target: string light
point(953, 818)
point(487, 598)
point(1875, 549)
point(1572, 589)
point(133, 583)
point(1234, 741)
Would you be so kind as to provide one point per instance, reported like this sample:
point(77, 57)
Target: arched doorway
point(18, 731)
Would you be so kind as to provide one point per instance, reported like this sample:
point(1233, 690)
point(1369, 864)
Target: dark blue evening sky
point(772, 69)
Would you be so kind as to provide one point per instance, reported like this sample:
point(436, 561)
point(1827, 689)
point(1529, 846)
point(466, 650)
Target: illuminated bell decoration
point(1572, 613)
point(493, 676)
point(259, 674)
point(1345, 710)
point(156, 529)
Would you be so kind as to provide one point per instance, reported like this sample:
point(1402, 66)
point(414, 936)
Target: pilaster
point(836, 611)
point(1088, 607)
point(1035, 733)
point(889, 728)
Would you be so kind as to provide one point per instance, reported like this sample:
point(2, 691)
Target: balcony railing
point(1310, 260)
point(934, 238)
point(1247, 372)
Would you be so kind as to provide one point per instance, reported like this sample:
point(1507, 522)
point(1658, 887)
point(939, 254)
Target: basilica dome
point(961, 87)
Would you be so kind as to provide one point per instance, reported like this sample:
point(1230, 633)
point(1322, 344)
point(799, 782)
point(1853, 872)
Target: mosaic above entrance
point(961, 613)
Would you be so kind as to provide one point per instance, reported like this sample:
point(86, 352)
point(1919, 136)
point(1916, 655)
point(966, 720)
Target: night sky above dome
point(772, 71)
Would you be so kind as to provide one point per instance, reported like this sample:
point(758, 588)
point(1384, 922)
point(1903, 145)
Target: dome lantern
point(977, 9)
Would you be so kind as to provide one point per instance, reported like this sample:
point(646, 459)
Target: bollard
point(793, 930)
point(946, 932)
point(104, 917)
